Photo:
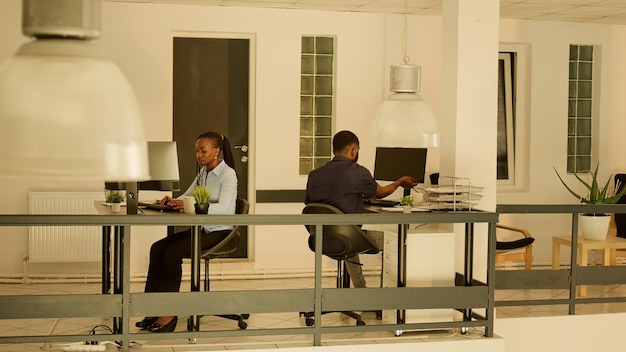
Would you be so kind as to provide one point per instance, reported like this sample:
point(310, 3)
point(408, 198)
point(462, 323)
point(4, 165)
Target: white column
point(469, 100)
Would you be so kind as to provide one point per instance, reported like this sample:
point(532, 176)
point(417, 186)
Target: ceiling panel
point(593, 11)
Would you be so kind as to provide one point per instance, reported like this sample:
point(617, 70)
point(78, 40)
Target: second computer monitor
point(393, 163)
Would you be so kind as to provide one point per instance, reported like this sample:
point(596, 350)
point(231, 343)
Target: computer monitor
point(392, 163)
point(163, 163)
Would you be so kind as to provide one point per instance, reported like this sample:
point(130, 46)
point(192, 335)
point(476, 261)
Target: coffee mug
point(188, 203)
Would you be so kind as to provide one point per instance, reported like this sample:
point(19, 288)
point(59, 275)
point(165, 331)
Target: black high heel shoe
point(146, 322)
point(168, 327)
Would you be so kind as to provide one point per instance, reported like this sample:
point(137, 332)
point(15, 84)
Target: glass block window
point(316, 101)
point(579, 114)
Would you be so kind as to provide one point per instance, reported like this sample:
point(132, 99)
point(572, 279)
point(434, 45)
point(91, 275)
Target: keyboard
point(157, 206)
point(380, 202)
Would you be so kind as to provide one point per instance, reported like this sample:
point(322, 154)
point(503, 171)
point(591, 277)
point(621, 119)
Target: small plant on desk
point(407, 201)
point(115, 197)
point(201, 195)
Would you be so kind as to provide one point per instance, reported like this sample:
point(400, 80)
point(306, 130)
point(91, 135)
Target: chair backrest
point(525, 241)
point(231, 242)
point(339, 241)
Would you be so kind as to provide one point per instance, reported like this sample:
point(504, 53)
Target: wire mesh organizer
point(456, 194)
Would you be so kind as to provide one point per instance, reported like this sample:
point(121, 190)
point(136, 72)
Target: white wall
point(138, 38)
point(549, 45)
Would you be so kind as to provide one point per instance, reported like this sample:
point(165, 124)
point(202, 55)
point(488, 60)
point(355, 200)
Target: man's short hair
point(343, 139)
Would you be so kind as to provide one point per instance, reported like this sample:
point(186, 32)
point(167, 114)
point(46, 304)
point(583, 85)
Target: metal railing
point(570, 278)
point(469, 296)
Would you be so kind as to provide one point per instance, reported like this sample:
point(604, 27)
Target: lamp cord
point(405, 58)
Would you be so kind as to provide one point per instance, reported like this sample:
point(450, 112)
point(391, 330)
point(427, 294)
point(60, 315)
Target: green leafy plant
point(115, 197)
point(407, 200)
point(596, 195)
point(201, 195)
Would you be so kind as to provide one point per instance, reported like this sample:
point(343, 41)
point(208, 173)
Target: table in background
point(608, 245)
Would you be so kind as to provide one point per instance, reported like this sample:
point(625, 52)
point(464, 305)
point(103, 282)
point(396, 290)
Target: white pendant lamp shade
point(66, 112)
point(405, 120)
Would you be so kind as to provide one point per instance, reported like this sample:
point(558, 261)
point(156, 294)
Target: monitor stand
point(132, 198)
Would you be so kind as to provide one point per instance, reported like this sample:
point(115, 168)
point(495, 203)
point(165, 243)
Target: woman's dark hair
point(220, 141)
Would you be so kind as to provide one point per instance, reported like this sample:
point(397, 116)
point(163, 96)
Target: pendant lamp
point(405, 120)
point(66, 111)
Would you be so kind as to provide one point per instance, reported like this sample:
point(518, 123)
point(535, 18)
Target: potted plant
point(595, 226)
point(407, 203)
point(115, 198)
point(201, 195)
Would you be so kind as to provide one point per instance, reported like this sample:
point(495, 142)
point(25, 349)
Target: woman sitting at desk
point(166, 255)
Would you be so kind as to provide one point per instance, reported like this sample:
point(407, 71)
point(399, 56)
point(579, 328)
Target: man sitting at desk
point(343, 183)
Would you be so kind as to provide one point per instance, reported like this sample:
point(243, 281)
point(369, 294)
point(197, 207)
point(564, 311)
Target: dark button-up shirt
point(342, 184)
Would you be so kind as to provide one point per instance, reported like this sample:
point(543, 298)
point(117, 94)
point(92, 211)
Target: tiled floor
point(83, 326)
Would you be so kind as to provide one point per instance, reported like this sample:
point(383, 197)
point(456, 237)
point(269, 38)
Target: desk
point(429, 263)
point(118, 260)
point(402, 259)
point(584, 246)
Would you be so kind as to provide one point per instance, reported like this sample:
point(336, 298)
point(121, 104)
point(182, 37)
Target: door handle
point(244, 148)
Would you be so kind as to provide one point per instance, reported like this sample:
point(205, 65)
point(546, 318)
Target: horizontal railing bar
point(560, 208)
point(245, 219)
point(532, 279)
point(57, 306)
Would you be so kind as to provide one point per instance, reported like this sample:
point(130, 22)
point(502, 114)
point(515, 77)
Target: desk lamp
point(66, 111)
point(164, 174)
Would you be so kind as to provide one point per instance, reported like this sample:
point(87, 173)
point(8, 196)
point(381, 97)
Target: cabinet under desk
point(429, 263)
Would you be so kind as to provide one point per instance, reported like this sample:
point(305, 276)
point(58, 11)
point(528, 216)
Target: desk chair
point(504, 248)
point(226, 246)
point(339, 242)
point(620, 219)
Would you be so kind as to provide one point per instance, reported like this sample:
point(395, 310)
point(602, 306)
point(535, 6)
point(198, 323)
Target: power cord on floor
point(90, 346)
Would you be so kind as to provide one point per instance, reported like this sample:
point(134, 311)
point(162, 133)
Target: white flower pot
point(116, 207)
point(594, 227)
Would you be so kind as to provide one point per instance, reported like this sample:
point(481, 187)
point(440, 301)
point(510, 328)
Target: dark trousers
point(166, 258)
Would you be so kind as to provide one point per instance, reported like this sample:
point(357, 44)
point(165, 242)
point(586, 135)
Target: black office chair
point(227, 246)
point(339, 242)
point(620, 219)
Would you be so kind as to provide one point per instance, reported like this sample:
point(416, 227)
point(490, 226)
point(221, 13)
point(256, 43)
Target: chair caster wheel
point(309, 321)
point(360, 322)
point(242, 325)
point(397, 333)
point(245, 316)
point(464, 330)
point(379, 315)
point(192, 341)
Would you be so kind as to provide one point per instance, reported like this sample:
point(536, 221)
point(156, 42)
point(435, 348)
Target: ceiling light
point(405, 120)
point(66, 111)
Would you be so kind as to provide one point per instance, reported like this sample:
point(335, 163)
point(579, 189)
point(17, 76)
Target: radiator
point(64, 243)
